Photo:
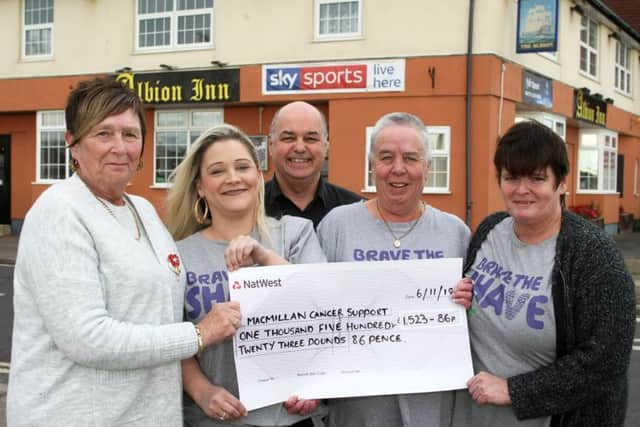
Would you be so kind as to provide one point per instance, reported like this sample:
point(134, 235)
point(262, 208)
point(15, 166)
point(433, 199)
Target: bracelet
point(200, 342)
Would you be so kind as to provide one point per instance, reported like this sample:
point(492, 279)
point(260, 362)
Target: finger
point(298, 408)
point(472, 381)
point(308, 406)
point(228, 259)
point(290, 402)
point(466, 303)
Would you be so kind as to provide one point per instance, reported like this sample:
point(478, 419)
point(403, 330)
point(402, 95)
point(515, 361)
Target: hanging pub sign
point(537, 26)
point(174, 87)
point(589, 108)
point(536, 89)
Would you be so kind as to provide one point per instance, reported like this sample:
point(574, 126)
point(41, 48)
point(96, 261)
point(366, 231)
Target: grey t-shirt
point(207, 283)
point(351, 233)
point(512, 326)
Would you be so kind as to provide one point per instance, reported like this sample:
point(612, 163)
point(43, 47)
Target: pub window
point(38, 28)
point(622, 79)
point(338, 19)
point(53, 161)
point(589, 46)
point(597, 161)
point(174, 24)
point(553, 121)
point(439, 142)
point(175, 131)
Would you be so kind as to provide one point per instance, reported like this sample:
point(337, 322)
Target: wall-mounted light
point(219, 63)
point(608, 100)
point(577, 9)
point(123, 70)
point(614, 36)
point(168, 67)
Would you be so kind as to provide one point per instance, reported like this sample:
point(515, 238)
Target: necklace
point(397, 239)
point(128, 204)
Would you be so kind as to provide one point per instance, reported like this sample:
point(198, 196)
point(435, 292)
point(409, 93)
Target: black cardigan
point(594, 306)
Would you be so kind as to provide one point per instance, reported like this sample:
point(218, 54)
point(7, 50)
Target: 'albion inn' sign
point(184, 86)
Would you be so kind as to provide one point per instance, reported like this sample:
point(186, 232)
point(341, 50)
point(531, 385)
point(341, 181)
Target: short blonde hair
point(183, 194)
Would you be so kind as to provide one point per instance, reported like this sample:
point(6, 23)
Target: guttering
point(467, 138)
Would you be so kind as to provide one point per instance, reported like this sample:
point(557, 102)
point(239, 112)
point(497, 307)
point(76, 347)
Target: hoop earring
point(74, 165)
point(140, 165)
point(201, 219)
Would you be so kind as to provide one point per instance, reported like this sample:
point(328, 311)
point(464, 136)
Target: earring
point(140, 165)
point(74, 165)
point(201, 219)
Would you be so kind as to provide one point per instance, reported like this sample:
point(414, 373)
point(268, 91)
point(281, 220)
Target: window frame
point(173, 16)
point(336, 36)
point(622, 69)
point(603, 150)
point(428, 188)
point(591, 26)
point(544, 118)
point(40, 128)
point(36, 27)
point(189, 129)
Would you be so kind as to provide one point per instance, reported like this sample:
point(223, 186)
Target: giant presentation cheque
point(349, 329)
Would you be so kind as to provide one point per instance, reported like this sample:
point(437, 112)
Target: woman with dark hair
point(553, 313)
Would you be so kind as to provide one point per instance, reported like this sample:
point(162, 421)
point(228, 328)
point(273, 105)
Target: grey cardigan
point(97, 334)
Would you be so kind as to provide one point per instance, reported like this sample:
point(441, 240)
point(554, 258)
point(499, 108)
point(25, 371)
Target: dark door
point(620, 177)
point(5, 179)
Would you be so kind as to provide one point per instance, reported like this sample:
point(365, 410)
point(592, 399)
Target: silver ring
point(223, 416)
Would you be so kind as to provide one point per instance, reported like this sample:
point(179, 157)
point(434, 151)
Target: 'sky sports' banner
point(356, 76)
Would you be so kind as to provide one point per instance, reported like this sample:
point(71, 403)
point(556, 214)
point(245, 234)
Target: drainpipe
point(467, 142)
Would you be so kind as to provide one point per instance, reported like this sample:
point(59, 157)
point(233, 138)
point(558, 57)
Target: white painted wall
point(93, 36)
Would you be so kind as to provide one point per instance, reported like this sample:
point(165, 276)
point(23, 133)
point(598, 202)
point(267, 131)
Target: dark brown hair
point(530, 146)
point(94, 100)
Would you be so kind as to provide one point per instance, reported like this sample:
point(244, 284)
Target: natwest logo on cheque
point(259, 283)
point(336, 77)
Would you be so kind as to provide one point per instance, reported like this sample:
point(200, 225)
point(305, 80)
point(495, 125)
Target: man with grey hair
point(298, 146)
point(397, 224)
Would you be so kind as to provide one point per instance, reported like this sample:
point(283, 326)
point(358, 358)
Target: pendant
point(396, 243)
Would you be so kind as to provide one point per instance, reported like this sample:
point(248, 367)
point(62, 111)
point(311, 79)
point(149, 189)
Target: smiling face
point(532, 199)
point(229, 179)
point(298, 143)
point(399, 168)
point(108, 155)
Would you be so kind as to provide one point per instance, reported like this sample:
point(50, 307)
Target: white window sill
point(549, 57)
point(160, 186)
point(597, 192)
point(168, 49)
point(337, 38)
point(47, 181)
point(625, 94)
point(39, 58)
point(588, 76)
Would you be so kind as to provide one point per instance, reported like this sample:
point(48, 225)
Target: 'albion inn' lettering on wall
point(184, 86)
